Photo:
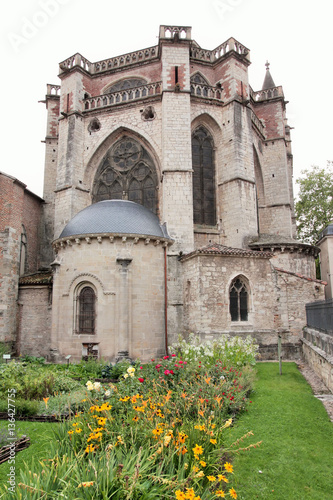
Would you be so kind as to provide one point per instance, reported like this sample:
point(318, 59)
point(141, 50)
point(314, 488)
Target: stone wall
point(317, 350)
point(34, 321)
point(128, 279)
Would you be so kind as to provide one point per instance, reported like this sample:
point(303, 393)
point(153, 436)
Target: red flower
point(165, 357)
point(173, 355)
point(171, 371)
point(141, 379)
point(166, 372)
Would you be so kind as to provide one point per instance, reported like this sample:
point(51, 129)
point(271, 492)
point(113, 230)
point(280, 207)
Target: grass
point(40, 434)
point(295, 460)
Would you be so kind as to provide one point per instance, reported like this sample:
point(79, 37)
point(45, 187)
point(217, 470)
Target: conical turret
point(268, 81)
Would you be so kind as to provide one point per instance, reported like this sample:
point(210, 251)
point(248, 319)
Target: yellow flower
point(221, 477)
point(90, 448)
point(135, 418)
point(195, 468)
point(197, 450)
point(220, 493)
point(202, 463)
point(200, 474)
point(211, 478)
point(228, 467)
point(130, 370)
point(86, 484)
point(180, 495)
point(78, 430)
point(101, 421)
point(189, 495)
point(233, 493)
point(125, 375)
point(70, 432)
point(227, 424)
point(213, 441)
point(167, 440)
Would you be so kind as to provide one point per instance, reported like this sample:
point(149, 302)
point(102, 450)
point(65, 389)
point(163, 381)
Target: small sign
point(69, 356)
point(6, 356)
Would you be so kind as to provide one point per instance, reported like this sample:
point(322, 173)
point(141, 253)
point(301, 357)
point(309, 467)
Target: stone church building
point(167, 209)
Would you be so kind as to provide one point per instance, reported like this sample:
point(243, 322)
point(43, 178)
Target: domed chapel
point(167, 209)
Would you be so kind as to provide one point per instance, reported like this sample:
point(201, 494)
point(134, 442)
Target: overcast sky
point(295, 37)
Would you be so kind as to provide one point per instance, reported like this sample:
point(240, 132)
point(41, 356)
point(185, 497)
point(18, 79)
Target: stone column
point(125, 310)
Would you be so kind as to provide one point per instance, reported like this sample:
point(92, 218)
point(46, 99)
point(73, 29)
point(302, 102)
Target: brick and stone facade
point(178, 129)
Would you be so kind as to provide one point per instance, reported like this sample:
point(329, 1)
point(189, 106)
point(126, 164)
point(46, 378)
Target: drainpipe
point(165, 299)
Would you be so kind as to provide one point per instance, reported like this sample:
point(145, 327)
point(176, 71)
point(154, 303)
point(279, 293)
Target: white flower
point(130, 370)
point(97, 386)
point(107, 393)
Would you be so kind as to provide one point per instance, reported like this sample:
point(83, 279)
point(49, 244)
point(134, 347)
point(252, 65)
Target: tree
point(314, 204)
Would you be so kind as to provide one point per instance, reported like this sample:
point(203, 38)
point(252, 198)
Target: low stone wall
point(317, 350)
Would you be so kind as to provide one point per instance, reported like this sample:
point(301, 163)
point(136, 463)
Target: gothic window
point(129, 83)
point(127, 172)
point(199, 85)
point(238, 295)
point(203, 178)
point(86, 310)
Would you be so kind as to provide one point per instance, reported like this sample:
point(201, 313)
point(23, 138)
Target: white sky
point(295, 36)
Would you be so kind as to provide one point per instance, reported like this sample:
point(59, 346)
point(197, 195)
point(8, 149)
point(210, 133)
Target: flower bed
point(158, 433)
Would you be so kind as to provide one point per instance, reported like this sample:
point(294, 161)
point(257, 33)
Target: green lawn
point(40, 434)
point(295, 460)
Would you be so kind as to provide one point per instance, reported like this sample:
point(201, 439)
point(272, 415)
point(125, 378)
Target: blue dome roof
point(115, 216)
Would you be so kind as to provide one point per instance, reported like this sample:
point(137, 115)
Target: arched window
point(199, 85)
point(203, 177)
point(127, 172)
point(238, 295)
point(128, 83)
point(86, 313)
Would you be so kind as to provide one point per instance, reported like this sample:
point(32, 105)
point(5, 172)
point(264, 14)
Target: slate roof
point(117, 217)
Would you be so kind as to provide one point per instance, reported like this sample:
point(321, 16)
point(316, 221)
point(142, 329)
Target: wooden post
point(279, 354)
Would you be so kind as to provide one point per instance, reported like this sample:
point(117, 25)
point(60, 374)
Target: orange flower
point(207, 380)
point(233, 493)
point(220, 493)
point(183, 395)
point(45, 401)
point(221, 477)
point(228, 467)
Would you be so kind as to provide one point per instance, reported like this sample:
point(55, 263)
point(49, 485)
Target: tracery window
point(238, 295)
point(129, 83)
point(203, 177)
point(86, 310)
point(127, 172)
point(199, 85)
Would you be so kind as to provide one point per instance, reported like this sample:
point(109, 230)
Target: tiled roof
point(217, 249)
point(300, 276)
point(42, 278)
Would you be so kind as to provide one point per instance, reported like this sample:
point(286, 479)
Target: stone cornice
point(110, 238)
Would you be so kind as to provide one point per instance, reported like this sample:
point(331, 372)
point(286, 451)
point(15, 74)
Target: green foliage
point(116, 370)
point(232, 351)
point(314, 204)
point(23, 407)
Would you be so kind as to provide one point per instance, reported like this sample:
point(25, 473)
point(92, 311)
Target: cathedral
point(167, 209)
